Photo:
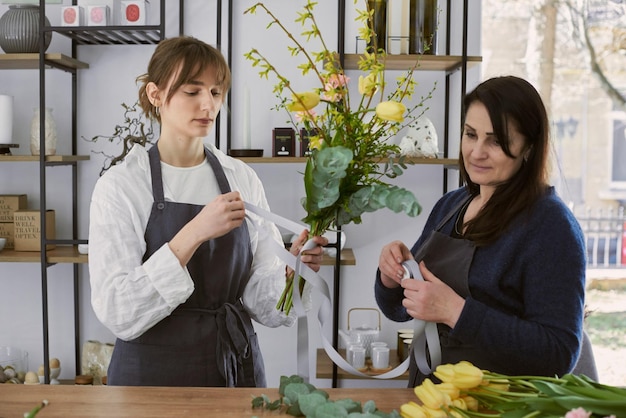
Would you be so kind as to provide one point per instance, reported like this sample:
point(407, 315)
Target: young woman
point(177, 267)
point(503, 258)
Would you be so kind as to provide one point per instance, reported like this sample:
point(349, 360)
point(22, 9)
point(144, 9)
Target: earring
point(157, 111)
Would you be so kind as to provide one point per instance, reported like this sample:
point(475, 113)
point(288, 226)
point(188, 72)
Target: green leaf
point(309, 402)
point(294, 390)
point(330, 410)
point(349, 405)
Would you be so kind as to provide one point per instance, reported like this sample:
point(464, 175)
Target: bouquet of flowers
point(466, 391)
point(350, 154)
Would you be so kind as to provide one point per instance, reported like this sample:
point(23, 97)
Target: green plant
point(350, 153)
point(298, 398)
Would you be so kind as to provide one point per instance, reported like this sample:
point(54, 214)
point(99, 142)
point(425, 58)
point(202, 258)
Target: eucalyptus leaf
point(294, 390)
point(330, 410)
point(310, 402)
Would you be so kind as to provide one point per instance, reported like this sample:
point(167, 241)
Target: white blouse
point(130, 296)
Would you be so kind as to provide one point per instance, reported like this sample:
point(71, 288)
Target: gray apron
point(449, 259)
point(209, 340)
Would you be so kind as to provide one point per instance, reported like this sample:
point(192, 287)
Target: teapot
point(363, 335)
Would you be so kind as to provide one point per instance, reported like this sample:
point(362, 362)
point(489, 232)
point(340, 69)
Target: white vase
point(51, 133)
point(6, 119)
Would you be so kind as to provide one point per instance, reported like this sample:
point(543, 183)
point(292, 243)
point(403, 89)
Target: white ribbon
point(324, 313)
point(426, 337)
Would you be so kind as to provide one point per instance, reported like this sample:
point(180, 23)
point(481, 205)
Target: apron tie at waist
point(232, 341)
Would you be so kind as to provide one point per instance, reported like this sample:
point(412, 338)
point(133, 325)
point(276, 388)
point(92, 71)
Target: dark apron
point(449, 259)
point(209, 340)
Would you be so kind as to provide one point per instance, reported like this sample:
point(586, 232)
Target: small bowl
point(3, 242)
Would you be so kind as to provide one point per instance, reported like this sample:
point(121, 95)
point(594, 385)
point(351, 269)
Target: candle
point(246, 119)
point(6, 119)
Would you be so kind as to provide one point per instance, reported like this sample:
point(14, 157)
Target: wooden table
point(69, 401)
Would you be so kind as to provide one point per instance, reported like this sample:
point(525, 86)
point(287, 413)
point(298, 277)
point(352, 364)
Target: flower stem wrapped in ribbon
point(350, 152)
point(466, 391)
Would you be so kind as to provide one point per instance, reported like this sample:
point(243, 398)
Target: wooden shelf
point(422, 62)
point(347, 258)
point(31, 61)
point(275, 160)
point(324, 366)
point(49, 158)
point(61, 254)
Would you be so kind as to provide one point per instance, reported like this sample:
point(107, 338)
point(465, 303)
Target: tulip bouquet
point(350, 154)
point(466, 391)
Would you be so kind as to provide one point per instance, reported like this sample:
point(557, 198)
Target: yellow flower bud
point(307, 100)
point(471, 403)
point(435, 413)
point(412, 410)
point(445, 373)
point(368, 85)
point(392, 111)
point(466, 375)
point(452, 391)
point(430, 396)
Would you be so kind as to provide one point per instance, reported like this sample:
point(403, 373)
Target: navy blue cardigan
point(527, 289)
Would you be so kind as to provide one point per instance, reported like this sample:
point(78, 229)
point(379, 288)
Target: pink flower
point(305, 115)
point(578, 413)
point(333, 86)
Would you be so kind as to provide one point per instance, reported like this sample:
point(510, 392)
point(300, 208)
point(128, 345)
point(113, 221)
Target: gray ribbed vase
point(19, 29)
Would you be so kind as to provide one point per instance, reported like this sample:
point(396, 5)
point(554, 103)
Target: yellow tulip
point(303, 102)
point(392, 111)
point(445, 373)
point(430, 396)
point(471, 403)
point(466, 375)
point(412, 410)
point(435, 413)
point(452, 391)
point(368, 85)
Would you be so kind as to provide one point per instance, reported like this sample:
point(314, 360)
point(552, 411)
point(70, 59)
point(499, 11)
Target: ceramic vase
point(50, 136)
point(6, 119)
point(19, 29)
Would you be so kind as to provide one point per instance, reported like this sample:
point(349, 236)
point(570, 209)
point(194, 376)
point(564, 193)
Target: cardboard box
point(9, 203)
point(72, 16)
point(98, 15)
point(133, 13)
point(6, 231)
point(27, 229)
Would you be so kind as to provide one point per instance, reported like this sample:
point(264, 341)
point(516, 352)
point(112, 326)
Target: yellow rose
point(303, 102)
point(368, 85)
point(392, 111)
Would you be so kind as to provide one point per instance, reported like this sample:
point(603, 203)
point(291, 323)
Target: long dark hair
point(185, 56)
point(510, 101)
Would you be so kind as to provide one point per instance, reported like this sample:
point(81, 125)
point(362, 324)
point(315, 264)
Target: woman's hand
point(390, 263)
point(225, 213)
point(312, 257)
point(431, 300)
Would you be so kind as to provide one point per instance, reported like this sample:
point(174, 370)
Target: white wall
point(108, 82)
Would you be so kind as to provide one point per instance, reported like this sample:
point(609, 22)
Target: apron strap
point(232, 341)
point(453, 212)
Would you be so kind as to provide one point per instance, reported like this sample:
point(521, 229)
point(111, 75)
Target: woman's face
point(193, 108)
point(485, 162)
